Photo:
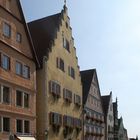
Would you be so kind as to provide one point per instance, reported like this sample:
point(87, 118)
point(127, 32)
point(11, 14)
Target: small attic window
point(66, 44)
point(66, 25)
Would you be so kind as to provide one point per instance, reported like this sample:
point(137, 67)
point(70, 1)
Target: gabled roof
point(105, 103)
point(86, 77)
point(28, 34)
point(43, 32)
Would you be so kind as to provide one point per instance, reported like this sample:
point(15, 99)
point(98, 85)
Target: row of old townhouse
point(43, 93)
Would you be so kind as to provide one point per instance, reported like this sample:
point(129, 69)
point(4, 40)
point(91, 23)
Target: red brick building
point(17, 73)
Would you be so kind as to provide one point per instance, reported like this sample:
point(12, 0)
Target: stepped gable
point(43, 32)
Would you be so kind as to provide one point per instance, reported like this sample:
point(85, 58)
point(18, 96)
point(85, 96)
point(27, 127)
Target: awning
point(26, 138)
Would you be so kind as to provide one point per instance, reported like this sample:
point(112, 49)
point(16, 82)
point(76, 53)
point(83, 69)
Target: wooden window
point(26, 127)
point(5, 62)
point(77, 99)
point(55, 88)
point(19, 126)
point(18, 37)
point(6, 30)
point(55, 119)
point(60, 64)
point(6, 124)
point(67, 95)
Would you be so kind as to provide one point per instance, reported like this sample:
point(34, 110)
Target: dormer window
point(66, 44)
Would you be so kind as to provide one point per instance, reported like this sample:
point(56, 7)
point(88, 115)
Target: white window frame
point(23, 92)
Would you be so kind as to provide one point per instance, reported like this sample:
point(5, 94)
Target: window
point(26, 100)
point(60, 64)
point(6, 94)
point(55, 88)
point(71, 72)
point(5, 62)
point(7, 30)
point(23, 126)
point(77, 99)
point(55, 118)
point(66, 44)
point(19, 126)
point(67, 94)
point(22, 70)
point(18, 98)
point(6, 124)
point(26, 72)
point(18, 68)
point(18, 37)
point(77, 123)
point(22, 99)
point(26, 127)
point(68, 121)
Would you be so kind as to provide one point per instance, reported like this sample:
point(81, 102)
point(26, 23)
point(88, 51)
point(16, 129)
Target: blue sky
point(107, 37)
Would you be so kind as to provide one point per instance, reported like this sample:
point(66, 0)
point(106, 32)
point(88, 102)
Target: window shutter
point(50, 86)
point(64, 93)
point(50, 117)
point(57, 62)
point(69, 71)
point(64, 120)
point(53, 87)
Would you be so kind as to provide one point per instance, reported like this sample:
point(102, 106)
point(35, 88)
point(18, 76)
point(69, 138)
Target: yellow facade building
point(59, 88)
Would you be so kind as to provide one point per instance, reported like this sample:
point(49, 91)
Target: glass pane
point(26, 127)
point(26, 72)
point(6, 124)
point(18, 37)
point(18, 68)
point(26, 100)
point(19, 126)
point(5, 62)
point(6, 94)
point(7, 30)
point(18, 98)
